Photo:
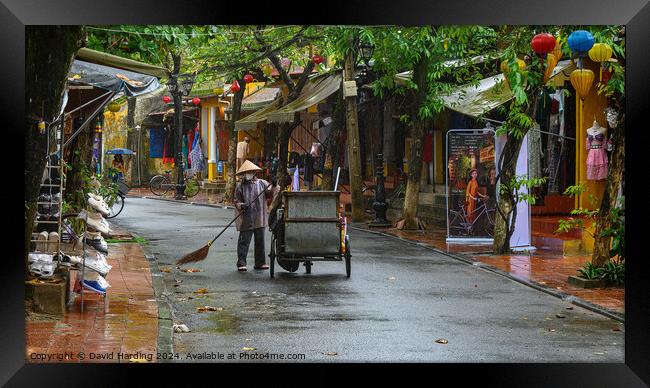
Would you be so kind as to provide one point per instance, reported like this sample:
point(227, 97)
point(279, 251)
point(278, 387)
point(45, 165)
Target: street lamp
point(365, 50)
point(179, 86)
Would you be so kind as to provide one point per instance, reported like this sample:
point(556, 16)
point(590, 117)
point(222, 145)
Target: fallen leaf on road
point(247, 349)
point(616, 328)
point(599, 353)
point(551, 330)
point(167, 269)
point(475, 285)
point(208, 308)
point(201, 291)
point(192, 270)
point(181, 329)
point(560, 316)
point(330, 354)
point(442, 341)
point(570, 308)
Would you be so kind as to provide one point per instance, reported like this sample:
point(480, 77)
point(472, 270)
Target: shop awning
point(260, 99)
point(492, 92)
point(316, 90)
point(111, 78)
point(475, 100)
point(250, 121)
point(102, 58)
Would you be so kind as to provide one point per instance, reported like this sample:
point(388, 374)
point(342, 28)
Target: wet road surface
point(400, 299)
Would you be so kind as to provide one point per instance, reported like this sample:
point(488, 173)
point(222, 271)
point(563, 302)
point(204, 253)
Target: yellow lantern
point(600, 52)
point(582, 79)
point(557, 51)
point(505, 69)
point(551, 61)
point(267, 69)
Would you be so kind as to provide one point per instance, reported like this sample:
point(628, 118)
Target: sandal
point(263, 266)
point(241, 269)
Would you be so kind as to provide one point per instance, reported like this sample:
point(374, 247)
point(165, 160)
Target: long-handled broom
point(202, 253)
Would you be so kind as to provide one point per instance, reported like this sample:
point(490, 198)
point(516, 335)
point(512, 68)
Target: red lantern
point(317, 59)
point(248, 78)
point(543, 44)
point(235, 86)
point(607, 75)
point(196, 101)
point(167, 99)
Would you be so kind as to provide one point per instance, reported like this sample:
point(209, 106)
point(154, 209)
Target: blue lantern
point(581, 42)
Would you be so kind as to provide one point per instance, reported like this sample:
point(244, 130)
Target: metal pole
point(337, 178)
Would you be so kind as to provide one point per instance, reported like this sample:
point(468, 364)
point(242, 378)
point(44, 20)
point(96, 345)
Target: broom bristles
point(195, 256)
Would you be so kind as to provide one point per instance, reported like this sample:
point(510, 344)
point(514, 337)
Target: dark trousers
point(245, 241)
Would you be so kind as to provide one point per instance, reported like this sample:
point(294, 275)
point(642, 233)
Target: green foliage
point(613, 272)
point(514, 186)
point(575, 190)
point(590, 271)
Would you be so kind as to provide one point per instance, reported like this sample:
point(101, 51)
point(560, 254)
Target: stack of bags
point(96, 228)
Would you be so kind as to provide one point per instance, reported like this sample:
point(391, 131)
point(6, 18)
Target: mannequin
point(597, 155)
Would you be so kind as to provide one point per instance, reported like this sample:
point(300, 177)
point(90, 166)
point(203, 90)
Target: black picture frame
point(15, 14)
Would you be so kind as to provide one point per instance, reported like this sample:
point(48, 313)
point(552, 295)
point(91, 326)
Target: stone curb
point(560, 295)
point(165, 343)
point(185, 202)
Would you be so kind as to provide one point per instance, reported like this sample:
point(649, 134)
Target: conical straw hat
point(248, 166)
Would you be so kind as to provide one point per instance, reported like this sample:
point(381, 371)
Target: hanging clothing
point(309, 168)
point(296, 180)
point(534, 152)
point(597, 163)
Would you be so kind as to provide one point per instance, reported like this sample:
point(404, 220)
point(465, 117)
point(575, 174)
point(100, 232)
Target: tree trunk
point(231, 183)
point(412, 194)
point(354, 151)
point(614, 175)
point(507, 170)
point(79, 155)
point(49, 51)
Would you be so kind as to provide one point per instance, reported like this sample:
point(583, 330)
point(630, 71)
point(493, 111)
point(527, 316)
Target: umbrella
point(120, 151)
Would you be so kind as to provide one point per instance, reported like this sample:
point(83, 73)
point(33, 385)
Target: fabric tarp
point(490, 93)
point(250, 121)
point(316, 89)
point(260, 99)
point(106, 59)
point(111, 78)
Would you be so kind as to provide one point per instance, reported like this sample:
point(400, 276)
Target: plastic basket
point(122, 187)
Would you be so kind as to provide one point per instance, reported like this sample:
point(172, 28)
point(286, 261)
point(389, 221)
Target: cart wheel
point(308, 267)
point(272, 257)
point(348, 256)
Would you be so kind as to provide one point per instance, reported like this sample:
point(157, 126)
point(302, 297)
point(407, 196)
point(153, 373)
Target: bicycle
point(114, 196)
point(460, 220)
point(162, 183)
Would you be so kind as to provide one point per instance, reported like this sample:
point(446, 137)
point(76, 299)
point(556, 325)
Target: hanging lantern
point(551, 62)
point(317, 59)
point(248, 78)
point(557, 50)
point(606, 75)
point(267, 69)
point(505, 69)
point(235, 86)
point(167, 99)
point(543, 44)
point(582, 79)
point(580, 42)
point(114, 107)
point(600, 52)
point(196, 101)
